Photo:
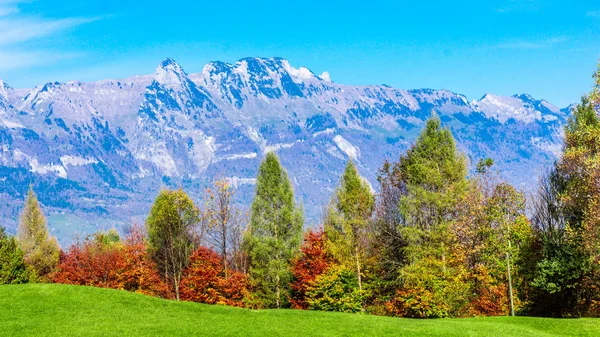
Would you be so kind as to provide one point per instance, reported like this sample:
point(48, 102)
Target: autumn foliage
point(312, 262)
point(206, 281)
point(124, 266)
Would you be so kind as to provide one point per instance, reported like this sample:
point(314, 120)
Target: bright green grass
point(60, 310)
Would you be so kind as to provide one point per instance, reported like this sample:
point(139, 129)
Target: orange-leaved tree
point(205, 280)
point(314, 260)
point(104, 261)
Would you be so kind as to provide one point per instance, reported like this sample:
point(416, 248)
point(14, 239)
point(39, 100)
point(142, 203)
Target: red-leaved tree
point(205, 281)
point(313, 261)
point(124, 266)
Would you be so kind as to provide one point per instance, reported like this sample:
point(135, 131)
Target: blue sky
point(546, 48)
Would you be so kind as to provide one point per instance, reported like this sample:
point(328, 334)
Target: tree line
point(435, 241)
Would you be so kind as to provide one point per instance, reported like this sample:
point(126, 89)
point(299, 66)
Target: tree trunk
point(358, 271)
point(176, 288)
point(510, 290)
point(278, 293)
point(224, 252)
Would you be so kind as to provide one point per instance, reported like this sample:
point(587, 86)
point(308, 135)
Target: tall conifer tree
point(274, 235)
point(349, 219)
point(431, 177)
point(41, 250)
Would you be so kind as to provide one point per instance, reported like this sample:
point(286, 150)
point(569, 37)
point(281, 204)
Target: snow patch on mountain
point(36, 167)
point(276, 147)
point(77, 161)
point(299, 74)
point(324, 132)
point(250, 155)
point(325, 76)
point(10, 124)
point(170, 73)
point(347, 147)
point(47, 168)
point(4, 89)
point(514, 107)
point(237, 181)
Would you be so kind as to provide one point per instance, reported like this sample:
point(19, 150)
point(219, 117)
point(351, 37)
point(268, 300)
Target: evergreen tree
point(349, 218)
point(274, 235)
point(171, 225)
point(434, 173)
point(12, 266)
point(431, 178)
point(41, 250)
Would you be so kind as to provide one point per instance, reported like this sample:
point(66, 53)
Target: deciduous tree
point(171, 226)
point(112, 264)
point(314, 260)
point(206, 281)
point(224, 221)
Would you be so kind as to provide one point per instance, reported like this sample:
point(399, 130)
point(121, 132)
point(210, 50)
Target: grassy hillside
point(60, 310)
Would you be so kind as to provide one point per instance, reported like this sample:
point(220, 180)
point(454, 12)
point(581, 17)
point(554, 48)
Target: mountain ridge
point(103, 149)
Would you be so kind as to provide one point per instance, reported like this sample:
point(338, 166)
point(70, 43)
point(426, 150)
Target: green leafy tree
point(511, 233)
point(274, 235)
point(349, 220)
point(431, 178)
point(435, 176)
point(595, 95)
point(484, 165)
point(171, 227)
point(567, 219)
point(12, 265)
point(41, 250)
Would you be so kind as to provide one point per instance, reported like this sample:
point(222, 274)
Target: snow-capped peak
point(169, 73)
point(503, 108)
point(525, 97)
point(4, 88)
point(325, 76)
point(300, 74)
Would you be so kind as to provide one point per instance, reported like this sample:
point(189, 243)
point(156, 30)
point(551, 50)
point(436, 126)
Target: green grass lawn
point(60, 310)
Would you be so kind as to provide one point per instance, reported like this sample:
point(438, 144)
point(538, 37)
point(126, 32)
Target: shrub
point(335, 290)
point(109, 264)
point(489, 296)
point(418, 302)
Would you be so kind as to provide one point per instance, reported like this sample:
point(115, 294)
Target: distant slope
point(60, 310)
point(102, 150)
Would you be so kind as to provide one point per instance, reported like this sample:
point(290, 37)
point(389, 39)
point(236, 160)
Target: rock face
point(102, 150)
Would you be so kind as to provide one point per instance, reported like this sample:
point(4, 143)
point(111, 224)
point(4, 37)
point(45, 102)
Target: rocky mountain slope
point(102, 150)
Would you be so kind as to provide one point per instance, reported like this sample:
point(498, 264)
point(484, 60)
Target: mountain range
point(97, 153)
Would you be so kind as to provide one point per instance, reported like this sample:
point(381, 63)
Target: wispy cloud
point(5, 11)
point(14, 31)
point(18, 30)
point(508, 6)
point(593, 14)
point(531, 44)
point(22, 59)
